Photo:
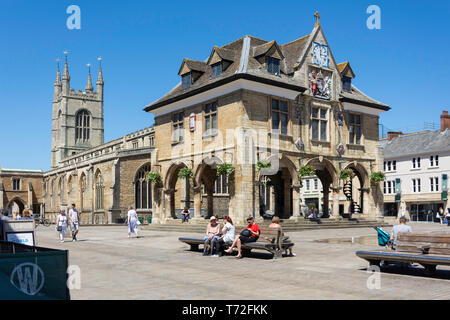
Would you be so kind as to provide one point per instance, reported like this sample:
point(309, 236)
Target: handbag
point(59, 228)
point(246, 233)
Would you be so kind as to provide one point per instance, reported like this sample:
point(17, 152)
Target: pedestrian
point(3, 217)
point(25, 215)
point(132, 222)
point(212, 234)
point(228, 234)
point(74, 218)
point(447, 215)
point(402, 227)
point(249, 234)
point(61, 224)
point(185, 215)
point(440, 214)
point(276, 224)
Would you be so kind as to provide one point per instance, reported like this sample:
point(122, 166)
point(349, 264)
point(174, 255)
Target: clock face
point(320, 54)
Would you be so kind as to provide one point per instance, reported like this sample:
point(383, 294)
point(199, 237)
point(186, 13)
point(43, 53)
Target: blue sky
point(405, 64)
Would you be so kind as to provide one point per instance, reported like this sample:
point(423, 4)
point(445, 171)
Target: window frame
point(186, 84)
point(273, 65)
point(210, 112)
point(280, 113)
point(82, 126)
point(178, 126)
point(321, 122)
point(216, 70)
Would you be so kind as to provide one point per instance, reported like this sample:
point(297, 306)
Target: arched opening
point(327, 175)
point(276, 190)
point(354, 189)
point(179, 190)
point(15, 207)
point(82, 185)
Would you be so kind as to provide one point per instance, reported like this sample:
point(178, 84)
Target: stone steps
point(174, 226)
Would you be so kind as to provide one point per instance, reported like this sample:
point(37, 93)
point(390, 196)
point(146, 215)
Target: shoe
point(215, 256)
point(238, 257)
point(62, 241)
point(228, 251)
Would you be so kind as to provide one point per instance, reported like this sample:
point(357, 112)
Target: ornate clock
point(320, 54)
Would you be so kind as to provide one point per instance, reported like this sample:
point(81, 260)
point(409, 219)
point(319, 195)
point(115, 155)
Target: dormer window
point(186, 80)
point(347, 84)
point(273, 65)
point(216, 70)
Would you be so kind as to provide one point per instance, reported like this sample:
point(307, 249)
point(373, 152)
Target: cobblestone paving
point(158, 266)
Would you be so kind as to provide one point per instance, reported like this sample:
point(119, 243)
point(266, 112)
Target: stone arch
point(19, 206)
point(356, 187)
point(324, 163)
point(208, 162)
point(278, 188)
point(172, 185)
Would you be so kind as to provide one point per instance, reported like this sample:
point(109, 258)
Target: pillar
point(295, 203)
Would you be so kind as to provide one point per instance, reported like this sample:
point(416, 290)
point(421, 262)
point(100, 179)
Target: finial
point(100, 73)
point(66, 68)
point(317, 15)
point(89, 87)
point(58, 73)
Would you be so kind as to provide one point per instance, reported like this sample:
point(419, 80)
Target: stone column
point(335, 211)
point(197, 205)
point(295, 203)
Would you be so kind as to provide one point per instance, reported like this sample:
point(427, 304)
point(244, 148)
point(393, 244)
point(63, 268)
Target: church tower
point(77, 117)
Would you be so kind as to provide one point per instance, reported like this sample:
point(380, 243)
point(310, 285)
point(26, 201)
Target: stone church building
point(263, 108)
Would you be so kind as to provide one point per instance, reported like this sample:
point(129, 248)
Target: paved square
point(158, 266)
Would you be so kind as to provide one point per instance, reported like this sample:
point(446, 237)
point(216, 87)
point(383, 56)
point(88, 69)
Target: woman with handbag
point(61, 224)
point(250, 234)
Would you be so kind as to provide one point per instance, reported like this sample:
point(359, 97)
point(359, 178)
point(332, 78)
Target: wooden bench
point(270, 239)
point(426, 249)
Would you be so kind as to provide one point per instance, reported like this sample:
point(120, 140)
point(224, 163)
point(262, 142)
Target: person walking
point(61, 224)
point(250, 234)
point(447, 215)
point(228, 235)
point(74, 218)
point(402, 227)
point(132, 222)
point(440, 215)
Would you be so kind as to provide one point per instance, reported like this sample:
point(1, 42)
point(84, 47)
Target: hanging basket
point(376, 177)
point(346, 174)
point(225, 169)
point(185, 173)
point(263, 164)
point(306, 171)
point(154, 177)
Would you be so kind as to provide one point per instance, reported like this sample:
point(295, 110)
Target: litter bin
point(149, 219)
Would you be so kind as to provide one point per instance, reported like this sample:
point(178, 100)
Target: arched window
point(99, 187)
point(82, 126)
point(143, 189)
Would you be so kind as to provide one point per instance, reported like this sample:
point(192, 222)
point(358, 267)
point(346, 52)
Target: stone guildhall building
point(251, 102)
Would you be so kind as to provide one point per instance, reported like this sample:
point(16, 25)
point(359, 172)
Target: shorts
point(245, 239)
point(74, 226)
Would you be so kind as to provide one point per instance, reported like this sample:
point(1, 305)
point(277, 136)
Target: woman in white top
point(228, 236)
point(61, 224)
point(132, 222)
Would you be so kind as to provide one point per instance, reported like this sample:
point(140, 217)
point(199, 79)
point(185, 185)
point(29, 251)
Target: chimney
point(445, 121)
point(392, 135)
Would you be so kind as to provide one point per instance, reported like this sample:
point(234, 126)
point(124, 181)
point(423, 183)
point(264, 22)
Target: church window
point(99, 192)
point(82, 129)
point(143, 189)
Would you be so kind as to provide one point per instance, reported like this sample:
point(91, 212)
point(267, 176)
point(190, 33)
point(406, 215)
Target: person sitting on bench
point(212, 234)
point(250, 234)
point(276, 224)
point(228, 235)
point(402, 227)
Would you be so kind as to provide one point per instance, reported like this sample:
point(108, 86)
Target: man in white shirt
point(74, 218)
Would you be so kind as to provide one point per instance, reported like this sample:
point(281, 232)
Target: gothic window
point(279, 116)
point(99, 192)
point(143, 189)
point(82, 128)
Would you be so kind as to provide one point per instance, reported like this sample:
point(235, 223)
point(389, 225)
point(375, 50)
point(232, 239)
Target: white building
point(417, 167)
